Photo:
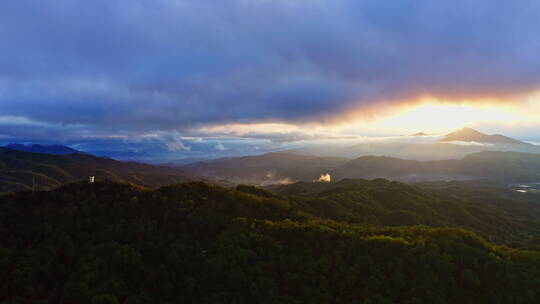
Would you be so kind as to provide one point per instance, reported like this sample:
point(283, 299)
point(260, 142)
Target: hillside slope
point(495, 212)
point(493, 165)
point(276, 167)
point(196, 243)
point(19, 170)
point(47, 149)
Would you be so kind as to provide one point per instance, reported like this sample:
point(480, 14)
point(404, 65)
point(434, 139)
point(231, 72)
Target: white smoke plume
point(325, 177)
point(286, 181)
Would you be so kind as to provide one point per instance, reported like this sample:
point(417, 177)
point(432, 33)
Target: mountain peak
point(469, 130)
point(472, 135)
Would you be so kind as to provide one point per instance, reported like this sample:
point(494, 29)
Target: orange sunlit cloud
point(445, 117)
point(429, 115)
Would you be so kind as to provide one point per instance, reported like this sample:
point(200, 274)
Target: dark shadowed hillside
point(492, 210)
point(19, 170)
point(493, 165)
point(276, 167)
point(47, 149)
point(197, 243)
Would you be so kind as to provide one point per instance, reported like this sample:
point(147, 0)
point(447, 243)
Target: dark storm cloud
point(144, 65)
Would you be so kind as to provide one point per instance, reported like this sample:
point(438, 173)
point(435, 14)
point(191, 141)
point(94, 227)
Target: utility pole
point(33, 185)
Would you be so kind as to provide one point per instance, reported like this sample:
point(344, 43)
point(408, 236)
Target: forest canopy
point(198, 243)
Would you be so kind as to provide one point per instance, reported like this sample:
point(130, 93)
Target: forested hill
point(489, 209)
point(274, 168)
point(493, 165)
point(197, 243)
point(46, 149)
point(20, 170)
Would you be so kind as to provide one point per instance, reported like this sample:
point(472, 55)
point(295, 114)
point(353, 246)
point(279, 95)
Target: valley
point(269, 151)
point(280, 227)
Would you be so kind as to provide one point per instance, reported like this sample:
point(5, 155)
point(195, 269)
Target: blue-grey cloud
point(109, 66)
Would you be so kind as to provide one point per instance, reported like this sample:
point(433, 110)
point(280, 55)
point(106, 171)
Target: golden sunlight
point(443, 117)
point(429, 116)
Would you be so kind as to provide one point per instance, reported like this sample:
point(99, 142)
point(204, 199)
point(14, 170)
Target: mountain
point(425, 150)
point(492, 165)
point(471, 135)
point(22, 170)
point(478, 206)
point(124, 155)
point(283, 168)
point(198, 243)
point(422, 147)
point(47, 149)
point(275, 167)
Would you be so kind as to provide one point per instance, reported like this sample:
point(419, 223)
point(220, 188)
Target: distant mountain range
point(55, 165)
point(19, 170)
point(275, 167)
point(471, 135)
point(47, 149)
point(421, 146)
point(493, 165)
point(285, 168)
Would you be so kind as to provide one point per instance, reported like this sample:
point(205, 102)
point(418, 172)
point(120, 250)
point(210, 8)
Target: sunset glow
point(254, 70)
point(445, 117)
point(270, 151)
point(434, 118)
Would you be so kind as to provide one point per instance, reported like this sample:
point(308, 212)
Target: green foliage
point(22, 170)
point(493, 165)
point(488, 209)
point(198, 243)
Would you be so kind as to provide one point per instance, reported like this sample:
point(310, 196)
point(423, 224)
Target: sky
point(178, 72)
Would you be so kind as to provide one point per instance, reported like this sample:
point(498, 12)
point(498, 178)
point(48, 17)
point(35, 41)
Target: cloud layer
point(108, 67)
